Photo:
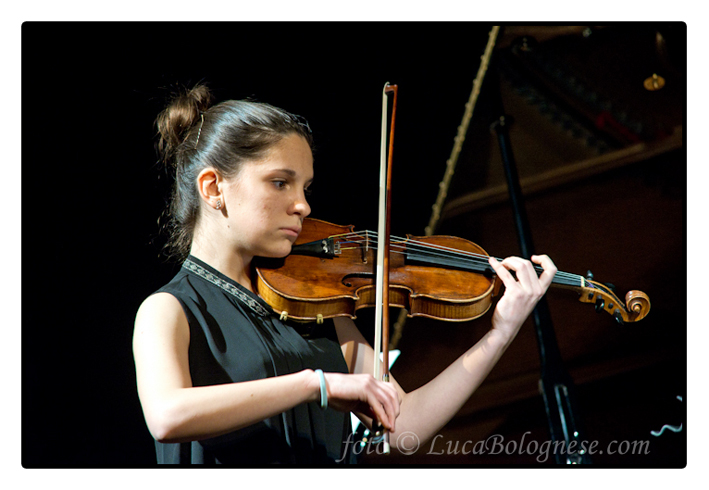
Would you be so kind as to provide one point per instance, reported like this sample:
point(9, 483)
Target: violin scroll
point(639, 303)
point(636, 307)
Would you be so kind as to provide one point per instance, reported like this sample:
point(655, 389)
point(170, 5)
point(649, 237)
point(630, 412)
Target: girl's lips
point(292, 231)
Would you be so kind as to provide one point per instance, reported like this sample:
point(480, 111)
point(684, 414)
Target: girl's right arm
point(175, 411)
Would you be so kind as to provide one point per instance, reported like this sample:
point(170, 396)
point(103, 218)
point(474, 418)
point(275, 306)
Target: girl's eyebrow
point(290, 172)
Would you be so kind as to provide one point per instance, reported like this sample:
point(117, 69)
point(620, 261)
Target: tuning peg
point(610, 286)
point(589, 275)
point(618, 317)
point(600, 304)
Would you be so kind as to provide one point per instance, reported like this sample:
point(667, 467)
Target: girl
point(221, 379)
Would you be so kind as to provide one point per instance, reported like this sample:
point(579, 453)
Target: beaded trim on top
point(254, 305)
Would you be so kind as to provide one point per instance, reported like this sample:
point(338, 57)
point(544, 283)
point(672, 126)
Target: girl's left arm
point(426, 410)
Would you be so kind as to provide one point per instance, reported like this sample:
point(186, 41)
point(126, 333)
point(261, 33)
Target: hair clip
point(201, 115)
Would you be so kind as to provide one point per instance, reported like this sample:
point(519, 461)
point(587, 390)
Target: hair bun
point(179, 117)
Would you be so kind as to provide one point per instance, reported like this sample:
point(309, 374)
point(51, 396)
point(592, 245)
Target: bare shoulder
point(159, 305)
point(161, 340)
point(161, 315)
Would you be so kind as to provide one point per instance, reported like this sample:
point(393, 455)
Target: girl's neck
point(232, 265)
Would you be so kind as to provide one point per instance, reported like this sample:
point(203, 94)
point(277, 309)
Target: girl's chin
point(277, 253)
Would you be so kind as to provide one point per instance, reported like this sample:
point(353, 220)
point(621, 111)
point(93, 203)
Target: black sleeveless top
point(235, 336)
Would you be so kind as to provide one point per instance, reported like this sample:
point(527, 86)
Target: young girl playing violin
point(221, 379)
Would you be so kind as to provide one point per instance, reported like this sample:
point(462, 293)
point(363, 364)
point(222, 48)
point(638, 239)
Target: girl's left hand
point(521, 294)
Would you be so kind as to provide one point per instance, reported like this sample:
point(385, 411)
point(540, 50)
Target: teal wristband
point(323, 389)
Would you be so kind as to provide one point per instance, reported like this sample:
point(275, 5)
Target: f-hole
point(363, 275)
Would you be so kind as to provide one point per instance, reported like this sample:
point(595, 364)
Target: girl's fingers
point(549, 269)
point(502, 272)
point(386, 399)
point(362, 393)
point(525, 273)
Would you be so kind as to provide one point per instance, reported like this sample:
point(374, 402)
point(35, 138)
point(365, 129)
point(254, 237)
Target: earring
point(219, 204)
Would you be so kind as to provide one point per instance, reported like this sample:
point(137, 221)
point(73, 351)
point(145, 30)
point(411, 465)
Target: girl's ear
point(209, 186)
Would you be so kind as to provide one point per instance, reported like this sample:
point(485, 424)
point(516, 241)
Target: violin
point(330, 272)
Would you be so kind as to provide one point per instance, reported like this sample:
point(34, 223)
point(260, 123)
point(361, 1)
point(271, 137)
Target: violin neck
point(480, 265)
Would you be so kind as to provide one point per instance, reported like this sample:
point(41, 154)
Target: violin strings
point(424, 248)
point(402, 245)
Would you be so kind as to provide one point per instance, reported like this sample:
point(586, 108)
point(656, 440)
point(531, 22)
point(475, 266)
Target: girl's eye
point(280, 184)
point(308, 191)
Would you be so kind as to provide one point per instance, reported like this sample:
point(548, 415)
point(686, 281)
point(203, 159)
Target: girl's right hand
point(362, 393)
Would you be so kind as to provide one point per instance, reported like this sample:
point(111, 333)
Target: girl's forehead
point(283, 164)
point(293, 153)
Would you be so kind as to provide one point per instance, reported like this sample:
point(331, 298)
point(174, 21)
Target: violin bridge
point(365, 249)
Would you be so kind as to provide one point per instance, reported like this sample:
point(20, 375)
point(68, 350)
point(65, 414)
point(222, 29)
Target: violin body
point(340, 280)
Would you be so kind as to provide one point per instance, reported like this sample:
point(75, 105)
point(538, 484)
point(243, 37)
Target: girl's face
point(265, 203)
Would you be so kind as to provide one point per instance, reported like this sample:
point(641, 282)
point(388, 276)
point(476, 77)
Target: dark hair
point(195, 135)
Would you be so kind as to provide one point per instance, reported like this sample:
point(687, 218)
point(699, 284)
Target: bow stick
point(381, 315)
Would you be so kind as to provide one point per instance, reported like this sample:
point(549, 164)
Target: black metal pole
point(556, 386)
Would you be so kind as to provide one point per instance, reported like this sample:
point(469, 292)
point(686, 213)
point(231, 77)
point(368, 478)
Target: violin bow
point(381, 315)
